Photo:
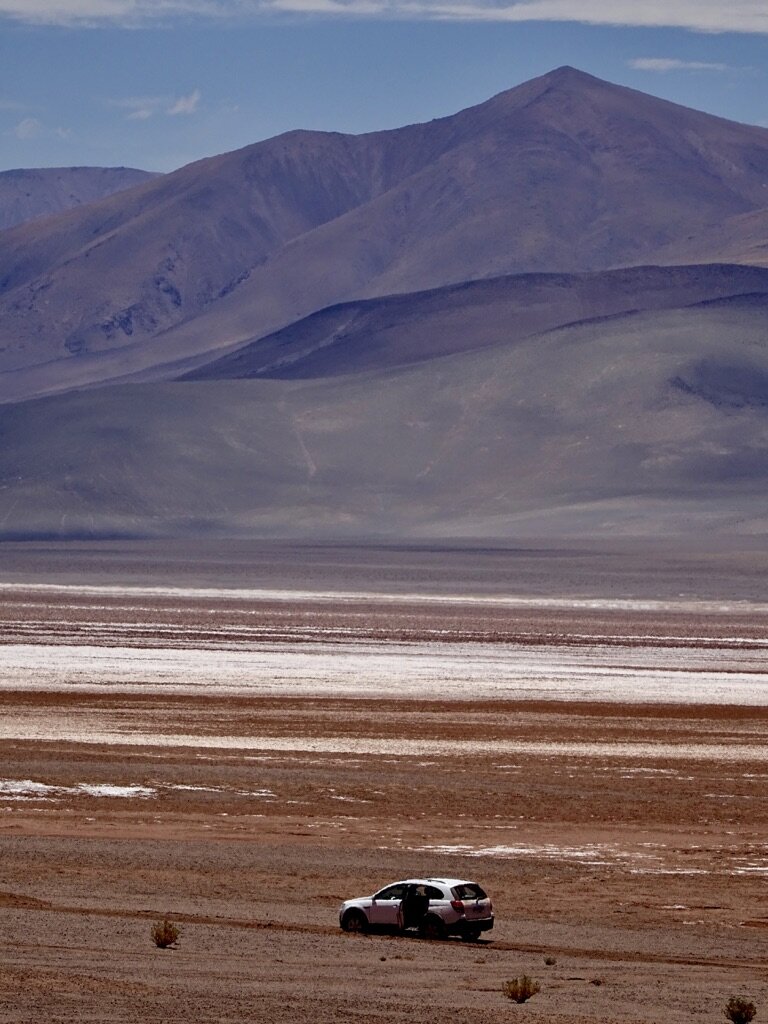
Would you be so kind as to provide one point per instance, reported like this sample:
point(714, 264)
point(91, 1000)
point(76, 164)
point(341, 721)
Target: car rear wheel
point(354, 921)
point(470, 934)
point(432, 928)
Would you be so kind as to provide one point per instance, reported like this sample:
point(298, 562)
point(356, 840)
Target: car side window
point(433, 892)
point(392, 892)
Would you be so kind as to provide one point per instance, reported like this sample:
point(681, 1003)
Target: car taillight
point(458, 906)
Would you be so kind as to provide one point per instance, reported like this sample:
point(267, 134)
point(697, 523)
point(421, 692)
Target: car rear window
point(469, 891)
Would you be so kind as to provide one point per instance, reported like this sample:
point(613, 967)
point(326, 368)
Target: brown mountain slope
point(563, 173)
point(28, 193)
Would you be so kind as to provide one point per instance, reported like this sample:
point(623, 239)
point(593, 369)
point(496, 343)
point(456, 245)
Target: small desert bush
point(550, 961)
point(739, 1010)
point(520, 989)
point(165, 933)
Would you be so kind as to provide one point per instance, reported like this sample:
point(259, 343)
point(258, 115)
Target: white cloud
point(32, 128)
point(29, 128)
point(141, 108)
point(99, 12)
point(702, 15)
point(697, 15)
point(664, 64)
point(357, 8)
point(185, 104)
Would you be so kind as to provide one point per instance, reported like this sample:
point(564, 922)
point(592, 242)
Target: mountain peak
point(566, 71)
point(570, 76)
point(567, 94)
point(565, 80)
point(236, 247)
point(573, 80)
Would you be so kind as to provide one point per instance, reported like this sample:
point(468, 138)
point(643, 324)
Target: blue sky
point(159, 83)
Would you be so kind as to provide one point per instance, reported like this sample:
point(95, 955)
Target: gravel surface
point(623, 838)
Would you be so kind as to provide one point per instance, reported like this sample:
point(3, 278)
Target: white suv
point(436, 907)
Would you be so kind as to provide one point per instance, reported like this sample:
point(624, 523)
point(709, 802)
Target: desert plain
point(240, 736)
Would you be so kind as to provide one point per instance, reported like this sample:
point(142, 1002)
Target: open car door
point(386, 910)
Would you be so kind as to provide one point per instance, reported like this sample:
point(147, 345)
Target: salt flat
point(426, 670)
point(213, 748)
point(380, 596)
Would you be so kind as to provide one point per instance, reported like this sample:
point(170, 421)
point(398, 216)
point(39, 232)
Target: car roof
point(450, 882)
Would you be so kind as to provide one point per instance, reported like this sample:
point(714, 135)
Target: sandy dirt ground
point(624, 841)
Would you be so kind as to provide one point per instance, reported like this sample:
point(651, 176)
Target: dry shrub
point(520, 989)
point(739, 1010)
point(165, 933)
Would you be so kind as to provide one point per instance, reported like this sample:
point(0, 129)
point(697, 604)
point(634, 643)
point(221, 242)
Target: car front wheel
point(354, 921)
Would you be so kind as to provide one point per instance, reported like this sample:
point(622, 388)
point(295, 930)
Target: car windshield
point(469, 891)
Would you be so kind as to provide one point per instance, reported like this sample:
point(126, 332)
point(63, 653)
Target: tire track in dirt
point(488, 945)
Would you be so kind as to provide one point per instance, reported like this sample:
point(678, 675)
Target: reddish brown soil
point(634, 890)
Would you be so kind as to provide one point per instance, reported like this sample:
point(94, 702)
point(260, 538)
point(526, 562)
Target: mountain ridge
point(545, 314)
point(508, 308)
point(240, 245)
point(29, 193)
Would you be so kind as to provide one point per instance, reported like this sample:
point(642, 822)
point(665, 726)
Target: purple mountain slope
point(646, 422)
point(402, 330)
point(27, 194)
